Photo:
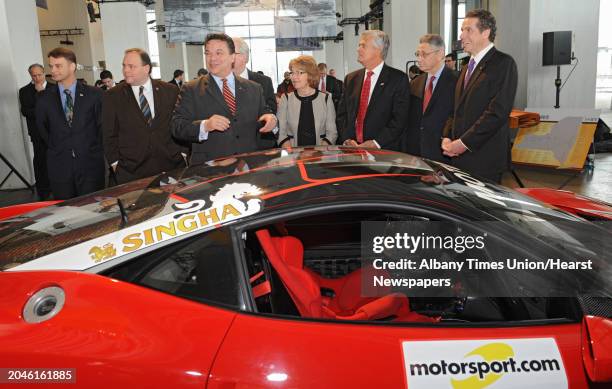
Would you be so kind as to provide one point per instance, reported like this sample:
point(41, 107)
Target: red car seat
point(286, 255)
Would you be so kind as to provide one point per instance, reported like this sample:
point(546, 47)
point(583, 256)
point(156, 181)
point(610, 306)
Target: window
point(311, 267)
point(603, 84)
point(153, 47)
point(256, 27)
point(201, 268)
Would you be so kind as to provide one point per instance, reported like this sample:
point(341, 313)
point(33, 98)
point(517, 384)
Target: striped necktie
point(229, 97)
point(144, 106)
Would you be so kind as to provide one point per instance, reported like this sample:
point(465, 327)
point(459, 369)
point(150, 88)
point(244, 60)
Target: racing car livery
point(246, 271)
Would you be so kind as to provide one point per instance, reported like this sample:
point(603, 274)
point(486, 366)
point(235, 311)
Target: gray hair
point(242, 46)
point(380, 40)
point(434, 40)
point(35, 65)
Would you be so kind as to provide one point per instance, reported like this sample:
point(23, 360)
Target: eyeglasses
point(296, 73)
point(423, 54)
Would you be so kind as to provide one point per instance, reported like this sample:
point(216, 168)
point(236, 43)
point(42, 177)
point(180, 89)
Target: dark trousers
point(39, 161)
point(81, 183)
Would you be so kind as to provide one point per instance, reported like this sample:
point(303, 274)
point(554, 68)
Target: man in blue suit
point(68, 117)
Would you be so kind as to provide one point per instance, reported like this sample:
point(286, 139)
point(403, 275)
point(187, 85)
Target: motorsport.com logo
point(483, 368)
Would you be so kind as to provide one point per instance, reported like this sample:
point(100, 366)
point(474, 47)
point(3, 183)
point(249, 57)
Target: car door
point(156, 320)
point(264, 349)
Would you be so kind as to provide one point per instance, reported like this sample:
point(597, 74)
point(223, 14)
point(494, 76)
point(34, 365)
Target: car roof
point(268, 180)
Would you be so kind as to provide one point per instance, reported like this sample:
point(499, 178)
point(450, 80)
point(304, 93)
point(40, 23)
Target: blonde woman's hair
point(307, 64)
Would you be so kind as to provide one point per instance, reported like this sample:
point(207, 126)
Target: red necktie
point(428, 92)
point(363, 107)
point(323, 84)
point(229, 97)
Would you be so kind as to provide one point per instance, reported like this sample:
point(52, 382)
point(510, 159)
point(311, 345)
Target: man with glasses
point(477, 136)
point(431, 100)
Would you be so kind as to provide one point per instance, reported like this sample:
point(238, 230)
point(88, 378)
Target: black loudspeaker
point(557, 48)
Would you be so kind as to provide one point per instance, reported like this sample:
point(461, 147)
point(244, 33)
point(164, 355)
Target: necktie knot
point(370, 74)
point(67, 92)
point(471, 64)
point(141, 90)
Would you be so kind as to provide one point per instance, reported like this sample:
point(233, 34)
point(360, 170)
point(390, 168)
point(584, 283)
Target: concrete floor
point(595, 182)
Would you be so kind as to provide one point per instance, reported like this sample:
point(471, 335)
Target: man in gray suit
point(220, 113)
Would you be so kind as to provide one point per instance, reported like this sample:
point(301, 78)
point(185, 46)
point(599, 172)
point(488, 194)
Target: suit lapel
point(58, 100)
point(380, 85)
point(156, 100)
point(439, 85)
point(79, 95)
point(131, 101)
point(476, 74)
point(240, 92)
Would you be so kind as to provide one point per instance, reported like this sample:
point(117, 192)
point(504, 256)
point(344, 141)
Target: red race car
point(249, 271)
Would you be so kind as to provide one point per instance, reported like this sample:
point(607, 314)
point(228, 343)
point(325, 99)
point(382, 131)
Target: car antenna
point(124, 216)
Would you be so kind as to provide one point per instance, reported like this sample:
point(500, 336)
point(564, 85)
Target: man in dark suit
point(136, 122)
point(432, 97)
point(477, 136)
point(220, 113)
point(264, 140)
point(69, 119)
point(374, 108)
point(178, 78)
point(340, 84)
point(329, 84)
point(27, 99)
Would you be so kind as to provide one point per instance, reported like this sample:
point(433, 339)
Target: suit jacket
point(324, 118)
point(480, 117)
point(387, 114)
point(173, 82)
point(141, 150)
point(200, 99)
point(424, 133)
point(267, 140)
point(268, 89)
point(76, 147)
point(27, 99)
point(334, 86)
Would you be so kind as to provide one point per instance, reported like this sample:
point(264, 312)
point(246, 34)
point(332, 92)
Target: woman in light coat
point(306, 116)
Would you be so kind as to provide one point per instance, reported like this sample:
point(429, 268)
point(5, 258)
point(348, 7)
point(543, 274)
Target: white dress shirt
point(478, 57)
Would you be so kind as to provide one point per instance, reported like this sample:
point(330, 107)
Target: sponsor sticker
point(231, 202)
point(484, 363)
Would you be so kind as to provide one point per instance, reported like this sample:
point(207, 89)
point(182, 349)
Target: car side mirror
point(597, 348)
